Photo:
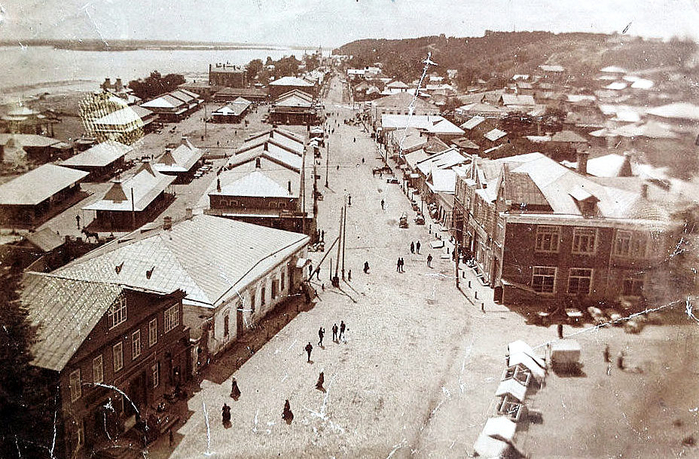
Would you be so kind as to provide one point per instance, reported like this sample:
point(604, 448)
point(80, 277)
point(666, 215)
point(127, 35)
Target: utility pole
point(133, 212)
point(327, 162)
point(456, 256)
point(339, 246)
point(344, 240)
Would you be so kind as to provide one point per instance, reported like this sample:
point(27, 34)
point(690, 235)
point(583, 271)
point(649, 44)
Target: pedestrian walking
point(560, 331)
point(383, 205)
point(334, 329)
point(287, 415)
point(342, 329)
point(412, 247)
point(429, 260)
point(483, 307)
point(620, 360)
point(362, 160)
point(321, 334)
point(349, 275)
point(77, 220)
point(226, 414)
point(322, 235)
point(349, 200)
point(398, 265)
point(309, 349)
point(402, 265)
point(235, 391)
point(417, 247)
point(320, 382)
point(310, 270)
point(607, 354)
point(317, 273)
point(366, 267)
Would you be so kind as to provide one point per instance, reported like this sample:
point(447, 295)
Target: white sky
point(335, 22)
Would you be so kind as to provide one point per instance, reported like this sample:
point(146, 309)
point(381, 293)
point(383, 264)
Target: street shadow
point(222, 367)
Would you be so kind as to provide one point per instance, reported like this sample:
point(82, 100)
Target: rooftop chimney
point(188, 213)
point(167, 223)
point(582, 161)
point(265, 148)
point(107, 83)
point(257, 161)
point(644, 190)
point(271, 133)
point(118, 86)
point(184, 140)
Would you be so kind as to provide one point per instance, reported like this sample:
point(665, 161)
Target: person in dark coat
point(226, 414)
point(412, 247)
point(417, 247)
point(287, 415)
point(334, 332)
point(320, 382)
point(235, 391)
point(366, 267)
point(607, 354)
point(321, 334)
point(309, 349)
point(429, 260)
point(560, 331)
point(342, 329)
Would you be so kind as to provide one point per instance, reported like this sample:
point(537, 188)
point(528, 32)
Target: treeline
point(499, 55)
point(155, 84)
point(263, 72)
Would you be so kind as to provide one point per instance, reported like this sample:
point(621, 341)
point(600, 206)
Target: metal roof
point(179, 160)
point(45, 239)
point(256, 184)
point(210, 258)
point(100, 155)
point(291, 81)
point(38, 185)
point(65, 311)
point(146, 185)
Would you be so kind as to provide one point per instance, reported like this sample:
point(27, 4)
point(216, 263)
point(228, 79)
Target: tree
point(28, 396)
point(253, 68)
point(155, 84)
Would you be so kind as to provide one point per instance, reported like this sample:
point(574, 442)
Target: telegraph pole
point(456, 256)
point(344, 240)
point(327, 162)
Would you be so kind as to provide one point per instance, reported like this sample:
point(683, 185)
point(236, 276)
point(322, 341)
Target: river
point(33, 70)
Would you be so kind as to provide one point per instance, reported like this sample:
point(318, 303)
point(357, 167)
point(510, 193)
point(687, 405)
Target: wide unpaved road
point(421, 363)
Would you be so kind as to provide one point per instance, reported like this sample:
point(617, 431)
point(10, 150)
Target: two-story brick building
point(539, 231)
point(114, 351)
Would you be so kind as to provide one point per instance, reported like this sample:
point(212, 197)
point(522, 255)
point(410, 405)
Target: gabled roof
point(66, 311)
point(517, 100)
point(294, 98)
point(278, 137)
point(179, 160)
point(271, 151)
point(402, 100)
point(433, 124)
point(495, 134)
point(255, 184)
point(397, 85)
point(519, 188)
point(291, 81)
point(102, 154)
point(677, 110)
point(45, 240)
point(568, 136)
point(38, 185)
point(210, 258)
point(235, 108)
point(29, 140)
point(124, 116)
point(472, 123)
point(444, 160)
point(146, 185)
point(412, 159)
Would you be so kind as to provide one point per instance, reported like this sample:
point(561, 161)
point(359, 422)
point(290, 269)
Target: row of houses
point(122, 329)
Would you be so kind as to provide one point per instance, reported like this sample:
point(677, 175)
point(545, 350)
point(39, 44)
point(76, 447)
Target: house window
point(622, 244)
point(547, 238)
point(638, 245)
point(226, 324)
point(252, 301)
point(275, 288)
point(544, 279)
point(75, 388)
point(155, 370)
point(262, 296)
point(118, 354)
point(152, 332)
point(632, 286)
point(97, 370)
point(579, 281)
point(135, 344)
point(584, 240)
point(172, 318)
point(117, 312)
point(282, 280)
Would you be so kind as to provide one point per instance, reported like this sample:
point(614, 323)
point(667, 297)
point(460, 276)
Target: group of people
point(400, 264)
point(338, 334)
point(415, 247)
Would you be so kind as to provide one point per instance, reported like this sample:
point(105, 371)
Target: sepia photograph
point(349, 229)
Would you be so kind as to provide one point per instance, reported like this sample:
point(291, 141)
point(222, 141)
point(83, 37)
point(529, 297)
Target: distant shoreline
point(136, 45)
